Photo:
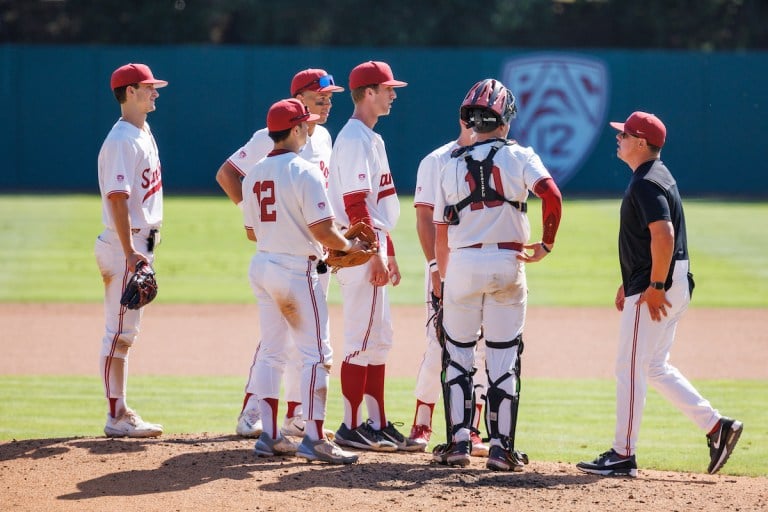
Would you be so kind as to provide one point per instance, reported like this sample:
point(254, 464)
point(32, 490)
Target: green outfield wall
point(57, 108)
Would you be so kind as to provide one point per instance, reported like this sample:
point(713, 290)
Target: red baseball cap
point(645, 126)
point(373, 73)
point(317, 80)
point(134, 74)
point(285, 114)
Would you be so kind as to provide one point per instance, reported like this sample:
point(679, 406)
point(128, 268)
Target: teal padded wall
point(57, 108)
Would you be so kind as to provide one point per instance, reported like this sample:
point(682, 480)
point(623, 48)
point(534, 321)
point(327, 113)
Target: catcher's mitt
point(141, 288)
point(339, 259)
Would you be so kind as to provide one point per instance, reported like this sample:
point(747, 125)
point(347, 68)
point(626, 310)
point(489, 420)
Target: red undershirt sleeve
point(357, 211)
point(390, 246)
point(551, 208)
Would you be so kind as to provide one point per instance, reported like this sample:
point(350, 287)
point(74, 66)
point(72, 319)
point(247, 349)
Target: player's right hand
point(379, 271)
point(133, 259)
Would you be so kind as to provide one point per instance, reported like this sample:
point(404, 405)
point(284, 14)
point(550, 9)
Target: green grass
point(560, 420)
point(46, 246)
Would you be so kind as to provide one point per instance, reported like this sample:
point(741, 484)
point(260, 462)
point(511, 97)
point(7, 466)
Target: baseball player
point(131, 188)
point(655, 292)
point(286, 209)
point(480, 216)
point(314, 88)
point(361, 189)
point(428, 385)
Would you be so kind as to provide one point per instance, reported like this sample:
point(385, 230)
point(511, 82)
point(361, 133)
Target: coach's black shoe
point(722, 442)
point(364, 438)
point(610, 463)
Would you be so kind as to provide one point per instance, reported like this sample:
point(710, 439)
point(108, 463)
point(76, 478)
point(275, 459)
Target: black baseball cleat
point(722, 442)
point(610, 463)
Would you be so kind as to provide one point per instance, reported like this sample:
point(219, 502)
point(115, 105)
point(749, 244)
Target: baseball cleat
point(500, 459)
point(130, 424)
point(390, 433)
point(479, 449)
point(610, 463)
point(363, 437)
point(722, 442)
point(324, 450)
point(419, 438)
point(268, 447)
point(249, 423)
point(457, 454)
point(293, 426)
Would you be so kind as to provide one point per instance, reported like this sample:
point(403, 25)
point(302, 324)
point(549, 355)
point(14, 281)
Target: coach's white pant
point(291, 299)
point(486, 288)
point(643, 356)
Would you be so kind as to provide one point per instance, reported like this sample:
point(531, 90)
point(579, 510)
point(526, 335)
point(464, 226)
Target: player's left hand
point(394, 271)
point(538, 253)
point(657, 302)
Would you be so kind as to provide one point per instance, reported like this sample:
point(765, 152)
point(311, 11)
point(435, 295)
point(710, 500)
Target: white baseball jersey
point(129, 162)
point(283, 195)
point(359, 164)
point(427, 177)
point(516, 170)
point(317, 150)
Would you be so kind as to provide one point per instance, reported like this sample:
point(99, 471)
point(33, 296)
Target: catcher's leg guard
point(463, 379)
point(495, 397)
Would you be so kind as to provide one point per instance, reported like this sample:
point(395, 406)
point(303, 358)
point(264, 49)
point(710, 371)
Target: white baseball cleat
point(249, 423)
point(293, 426)
point(130, 424)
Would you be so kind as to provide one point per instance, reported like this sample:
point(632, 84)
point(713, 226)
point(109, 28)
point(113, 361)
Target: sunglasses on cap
point(323, 81)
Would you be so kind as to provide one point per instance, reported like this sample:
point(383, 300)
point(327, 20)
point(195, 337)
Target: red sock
point(245, 401)
point(112, 405)
point(714, 429)
point(291, 411)
point(374, 386)
point(272, 403)
point(353, 383)
point(431, 408)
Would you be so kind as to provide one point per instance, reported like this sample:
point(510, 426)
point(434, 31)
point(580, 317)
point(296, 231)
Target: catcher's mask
point(487, 105)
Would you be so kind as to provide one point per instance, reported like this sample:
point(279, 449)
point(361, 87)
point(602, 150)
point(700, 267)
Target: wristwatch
point(657, 285)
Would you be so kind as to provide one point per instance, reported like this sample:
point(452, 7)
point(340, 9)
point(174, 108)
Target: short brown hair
point(120, 94)
point(359, 93)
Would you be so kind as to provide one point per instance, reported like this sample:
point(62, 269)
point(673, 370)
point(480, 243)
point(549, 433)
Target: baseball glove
point(141, 288)
point(339, 259)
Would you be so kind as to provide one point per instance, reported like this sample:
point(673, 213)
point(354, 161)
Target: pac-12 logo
point(561, 108)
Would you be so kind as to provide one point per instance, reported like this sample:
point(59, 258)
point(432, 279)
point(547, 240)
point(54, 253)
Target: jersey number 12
point(265, 195)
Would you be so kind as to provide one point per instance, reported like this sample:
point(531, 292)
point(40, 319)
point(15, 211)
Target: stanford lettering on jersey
point(386, 186)
point(151, 181)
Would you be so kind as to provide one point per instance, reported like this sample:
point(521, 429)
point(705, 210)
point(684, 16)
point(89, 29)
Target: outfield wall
point(57, 108)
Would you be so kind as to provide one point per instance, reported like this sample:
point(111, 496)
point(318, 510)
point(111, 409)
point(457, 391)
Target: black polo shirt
point(652, 195)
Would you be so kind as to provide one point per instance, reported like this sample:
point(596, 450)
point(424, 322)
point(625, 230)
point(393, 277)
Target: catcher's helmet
point(487, 105)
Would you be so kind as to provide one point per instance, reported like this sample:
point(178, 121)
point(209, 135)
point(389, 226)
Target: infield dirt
point(217, 471)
